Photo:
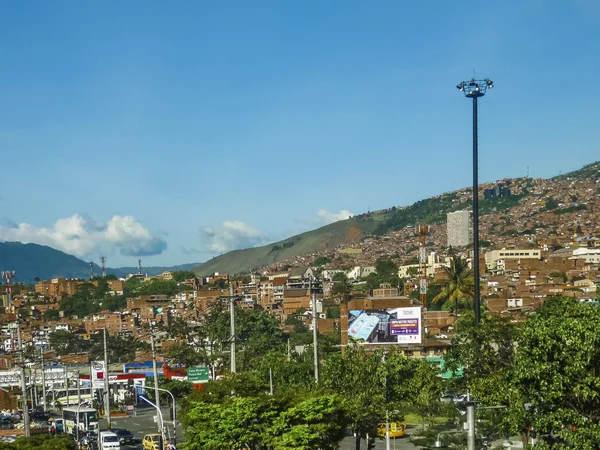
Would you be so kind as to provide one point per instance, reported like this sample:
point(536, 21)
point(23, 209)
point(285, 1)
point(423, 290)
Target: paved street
point(141, 424)
point(396, 444)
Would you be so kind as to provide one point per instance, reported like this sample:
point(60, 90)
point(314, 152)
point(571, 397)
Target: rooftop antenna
point(527, 171)
point(139, 266)
point(103, 261)
point(91, 269)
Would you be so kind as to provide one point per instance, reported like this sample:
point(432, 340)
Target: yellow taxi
point(396, 429)
point(152, 442)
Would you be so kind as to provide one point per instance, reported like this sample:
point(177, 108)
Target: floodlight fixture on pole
point(475, 89)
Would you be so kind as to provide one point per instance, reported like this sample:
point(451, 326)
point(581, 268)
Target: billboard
point(385, 326)
point(97, 374)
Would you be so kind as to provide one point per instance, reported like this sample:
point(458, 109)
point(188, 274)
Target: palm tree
point(458, 285)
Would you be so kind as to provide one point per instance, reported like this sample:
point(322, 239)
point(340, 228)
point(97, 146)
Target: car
point(125, 436)
point(462, 398)
point(396, 429)
point(39, 415)
point(447, 397)
point(152, 442)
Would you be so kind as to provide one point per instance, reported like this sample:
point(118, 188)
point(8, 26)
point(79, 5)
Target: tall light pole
point(232, 319)
point(155, 373)
point(475, 89)
point(106, 385)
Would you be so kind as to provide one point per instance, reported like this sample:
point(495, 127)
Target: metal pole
point(160, 417)
point(79, 388)
point(387, 431)
point(174, 413)
point(43, 381)
point(106, 387)
point(232, 317)
point(471, 426)
point(155, 373)
point(33, 380)
point(476, 287)
point(24, 388)
point(270, 381)
point(314, 324)
point(77, 430)
point(67, 385)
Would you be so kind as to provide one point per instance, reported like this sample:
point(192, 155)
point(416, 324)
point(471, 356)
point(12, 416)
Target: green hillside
point(587, 172)
point(32, 260)
point(328, 237)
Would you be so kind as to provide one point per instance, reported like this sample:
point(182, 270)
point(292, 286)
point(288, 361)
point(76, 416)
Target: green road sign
point(197, 373)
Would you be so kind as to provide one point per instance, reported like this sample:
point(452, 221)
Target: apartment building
point(457, 224)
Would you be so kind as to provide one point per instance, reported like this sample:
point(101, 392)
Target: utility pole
point(24, 388)
point(471, 426)
point(106, 388)
point(155, 373)
point(43, 380)
point(315, 332)
point(289, 351)
point(79, 389)
point(232, 317)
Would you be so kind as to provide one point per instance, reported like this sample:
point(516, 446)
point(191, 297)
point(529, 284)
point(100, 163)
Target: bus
point(88, 420)
point(70, 397)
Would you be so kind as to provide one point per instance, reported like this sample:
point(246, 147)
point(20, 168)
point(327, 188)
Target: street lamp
point(475, 89)
point(174, 412)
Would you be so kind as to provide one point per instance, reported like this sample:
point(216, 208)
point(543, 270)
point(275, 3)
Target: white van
point(108, 441)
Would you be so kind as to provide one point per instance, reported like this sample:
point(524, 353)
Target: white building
point(494, 260)
point(360, 272)
point(457, 228)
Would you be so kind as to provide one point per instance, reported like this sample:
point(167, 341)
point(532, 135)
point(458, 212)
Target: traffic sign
point(198, 374)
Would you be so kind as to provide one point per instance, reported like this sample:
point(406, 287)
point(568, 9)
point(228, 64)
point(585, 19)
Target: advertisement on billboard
point(385, 326)
point(97, 373)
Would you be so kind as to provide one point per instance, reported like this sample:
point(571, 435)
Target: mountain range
point(31, 261)
point(507, 215)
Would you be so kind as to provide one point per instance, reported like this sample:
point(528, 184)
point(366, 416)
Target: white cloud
point(232, 235)
point(329, 217)
point(81, 236)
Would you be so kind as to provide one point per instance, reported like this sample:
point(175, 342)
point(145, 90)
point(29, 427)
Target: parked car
point(462, 398)
point(125, 436)
point(447, 397)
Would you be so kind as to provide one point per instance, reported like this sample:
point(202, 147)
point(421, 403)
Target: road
point(403, 443)
point(141, 424)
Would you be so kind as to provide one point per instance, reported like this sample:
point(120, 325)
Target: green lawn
point(415, 419)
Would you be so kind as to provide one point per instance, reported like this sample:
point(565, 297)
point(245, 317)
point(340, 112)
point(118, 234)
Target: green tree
point(557, 375)
point(317, 422)
point(51, 314)
point(373, 385)
point(184, 354)
point(321, 261)
point(386, 271)
point(181, 275)
point(458, 284)
point(41, 442)
point(65, 342)
point(342, 288)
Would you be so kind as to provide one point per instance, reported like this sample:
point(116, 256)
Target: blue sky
point(178, 130)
